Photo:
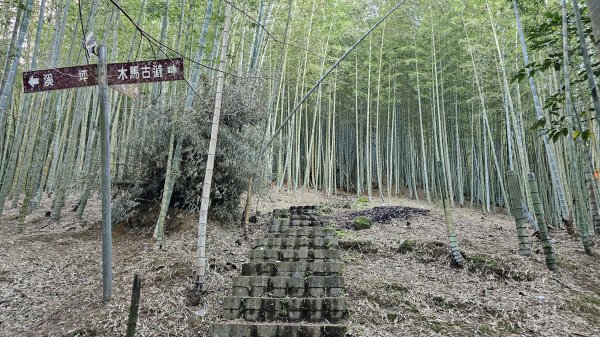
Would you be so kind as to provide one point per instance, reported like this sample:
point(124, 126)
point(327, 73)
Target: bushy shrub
point(240, 134)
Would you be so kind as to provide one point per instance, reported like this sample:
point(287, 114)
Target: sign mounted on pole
point(117, 74)
point(145, 71)
point(60, 78)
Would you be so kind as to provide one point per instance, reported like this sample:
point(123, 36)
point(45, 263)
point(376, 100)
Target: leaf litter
point(50, 275)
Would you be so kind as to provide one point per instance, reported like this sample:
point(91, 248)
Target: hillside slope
point(399, 278)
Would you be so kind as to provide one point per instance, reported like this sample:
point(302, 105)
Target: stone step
point(292, 286)
point(299, 221)
point(255, 309)
point(290, 231)
point(317, 242)
point(300, 217)
point(291, 255)
point(276, 330)
point(278, 287)
point(313, 209)
point(292, 269)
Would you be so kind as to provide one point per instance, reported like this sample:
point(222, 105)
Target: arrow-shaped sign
point(117, 74)
point(33, 81)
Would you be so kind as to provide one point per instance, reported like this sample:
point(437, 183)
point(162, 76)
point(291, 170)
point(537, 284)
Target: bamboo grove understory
point(480, 103)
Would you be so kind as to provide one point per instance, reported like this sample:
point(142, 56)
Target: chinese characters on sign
point(146, 71)
point(60, 78)
point(118, 74)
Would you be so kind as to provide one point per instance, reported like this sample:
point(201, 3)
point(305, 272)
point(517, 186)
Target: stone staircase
point(292, 286)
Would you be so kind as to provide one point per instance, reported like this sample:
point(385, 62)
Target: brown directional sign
point(145, 71)
point(59, 78)
point(118, 74)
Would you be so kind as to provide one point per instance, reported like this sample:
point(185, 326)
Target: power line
point(329, 71)
point(153, 41)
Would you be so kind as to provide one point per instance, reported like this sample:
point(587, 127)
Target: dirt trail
point(50, 274)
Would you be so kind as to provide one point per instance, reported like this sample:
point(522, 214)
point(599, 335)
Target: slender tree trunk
point(9, 83)
point(11, 46)
point(522, 155)
point(105, 173)
point(551, 155)
point(369, 156)
point(457, 257)
point(357, 132)
point(10, 168)
point(541, 221)
point(594, 9)
point(378, 155)
point(201, 272)
point(421, 131)
point(573, 159)
point(591, 79)
point(517, 211)
point(176, 140)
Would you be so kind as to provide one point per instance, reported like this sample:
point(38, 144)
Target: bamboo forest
point(299, 168)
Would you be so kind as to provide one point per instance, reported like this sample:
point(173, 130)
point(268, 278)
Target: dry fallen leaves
point(50, 282)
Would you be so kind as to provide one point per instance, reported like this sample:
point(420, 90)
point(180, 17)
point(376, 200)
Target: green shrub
point(240, 135)
point(362, 222)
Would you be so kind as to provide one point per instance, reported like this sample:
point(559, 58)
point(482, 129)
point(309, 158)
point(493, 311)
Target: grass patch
point(587, 305)
point(344, 234)
point(488, 265)
point(352, 257)
point(362, 200)
point(443, 303)
point(342, 205)
point(381, 295)
point(425, 252)
point(407, 246)
point(483, 260)
point(4, 276)
point(438, 327)
point(485, 329)
point(330, 225)
point(362, 222)
point(508, 326)
point(565, 264)
point(409, 306)
point(396, 287)
point(362, 246)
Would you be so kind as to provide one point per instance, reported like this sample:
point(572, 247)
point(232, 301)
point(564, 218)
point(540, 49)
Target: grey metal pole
point(105, 168)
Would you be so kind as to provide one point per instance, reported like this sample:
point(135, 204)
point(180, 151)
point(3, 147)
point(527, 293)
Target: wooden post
point(246, 213)
point(135, 305)
point(105, 168)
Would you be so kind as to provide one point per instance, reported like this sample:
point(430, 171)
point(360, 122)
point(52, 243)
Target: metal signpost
point(104, 75)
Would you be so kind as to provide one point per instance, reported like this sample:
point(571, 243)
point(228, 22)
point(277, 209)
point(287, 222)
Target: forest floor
point(399, 280)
